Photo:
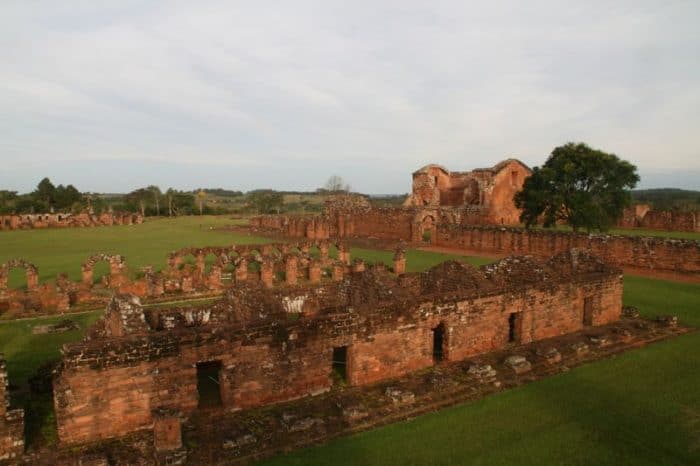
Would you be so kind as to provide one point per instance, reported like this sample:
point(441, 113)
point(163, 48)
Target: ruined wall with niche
point(67, 220)
point(148, 360)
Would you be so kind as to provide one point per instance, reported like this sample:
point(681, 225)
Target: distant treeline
point(668, 199)
point(153, 201)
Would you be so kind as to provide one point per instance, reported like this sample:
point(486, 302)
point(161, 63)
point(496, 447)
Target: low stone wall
point(648, 253)
point(67, 220)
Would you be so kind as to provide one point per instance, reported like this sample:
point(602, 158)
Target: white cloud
point(374, 88)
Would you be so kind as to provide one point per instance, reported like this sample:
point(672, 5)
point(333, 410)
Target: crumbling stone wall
point(67, 220)
point(11, 420)
point(146, 361)
point(649, 253)
point(643, 216)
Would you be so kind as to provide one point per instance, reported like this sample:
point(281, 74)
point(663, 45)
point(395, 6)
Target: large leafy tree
point(577, 185)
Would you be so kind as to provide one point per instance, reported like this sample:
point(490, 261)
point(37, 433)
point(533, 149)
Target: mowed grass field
point(642, 407)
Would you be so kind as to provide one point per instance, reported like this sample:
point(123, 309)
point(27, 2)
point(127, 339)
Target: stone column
point(87, 274)
point(323, 249)
point(400, 262)
point(242, 271)
point(215, 278)
point(290, 264)
point(315, 271)
point(338, 272)
point(32, 279)
point(267, 273)
point(358, 265)
point(199, 265)
point(343, 254)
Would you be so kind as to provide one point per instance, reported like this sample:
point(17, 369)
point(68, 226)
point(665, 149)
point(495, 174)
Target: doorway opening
point(439, 342)
point(209, 383)
point(514, 327)
point(340, 365)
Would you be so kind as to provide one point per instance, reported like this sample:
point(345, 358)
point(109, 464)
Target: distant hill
point(668, 198)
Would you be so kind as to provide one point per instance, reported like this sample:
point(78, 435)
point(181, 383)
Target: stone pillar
point(358, 265)
point(3, 279)
point(242, 271)
point(343, 254)
point(338, 272)
point(400, 262)
point(167, 432)
point(87, 274)
point(200, 265)
point(291, 270)
point(315, 271)
point(32, 278)
point(267, 273)
point(215, 278)
point(323, 250)
point(266, 249)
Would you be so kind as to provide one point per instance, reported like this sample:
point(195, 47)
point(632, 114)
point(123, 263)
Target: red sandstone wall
point(642, 252)
point(261, 367)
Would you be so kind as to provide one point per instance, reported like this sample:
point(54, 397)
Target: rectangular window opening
point(340, 365)
point(209, 383)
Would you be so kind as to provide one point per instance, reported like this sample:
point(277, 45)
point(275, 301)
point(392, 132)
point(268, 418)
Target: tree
point(139, 197)
point(201, 197)
point(265, 201)
point(45, 192)
point(336, 184)
point(578, 185)
point(169, 195)
point(155, 192)
point(65, 197)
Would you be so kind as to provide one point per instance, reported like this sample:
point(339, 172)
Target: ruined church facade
point(486, 191)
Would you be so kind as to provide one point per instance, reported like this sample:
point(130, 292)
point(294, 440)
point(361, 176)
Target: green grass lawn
point(64, 250)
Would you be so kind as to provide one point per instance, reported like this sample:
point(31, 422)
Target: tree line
point(153, 201)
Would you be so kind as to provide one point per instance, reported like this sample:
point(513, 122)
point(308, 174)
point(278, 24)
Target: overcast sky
point(246, 95)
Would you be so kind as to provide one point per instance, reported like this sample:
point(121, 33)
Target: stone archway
point(30, 269)
point(116, 267)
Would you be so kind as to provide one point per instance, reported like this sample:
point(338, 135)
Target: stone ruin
point(186, 275)
point(67, 220)
point(265, 345)
point(643, 216)
point(487, 192)
point(11, 420)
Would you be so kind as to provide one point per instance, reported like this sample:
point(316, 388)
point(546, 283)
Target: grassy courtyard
point(640, 408)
